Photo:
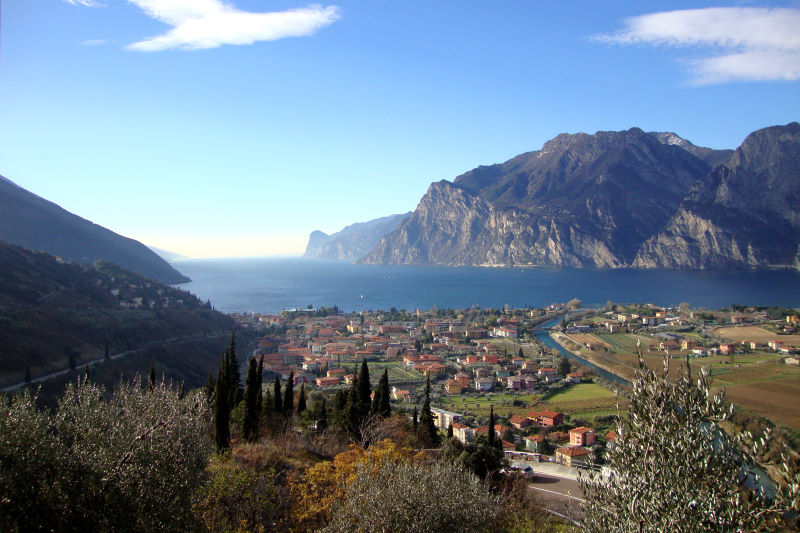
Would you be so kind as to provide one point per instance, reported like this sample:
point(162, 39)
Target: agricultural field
point(754, 333)
point(778, 397)
point(585, 339)
point(623, 342)
point(585, 400)
point(479, 405)
point(580, 399)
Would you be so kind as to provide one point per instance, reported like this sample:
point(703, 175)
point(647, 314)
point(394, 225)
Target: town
point(546, 407)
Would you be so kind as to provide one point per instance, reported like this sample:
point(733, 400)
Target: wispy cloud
point(87, 3)
point(94, 42)
point(741, 43)
point(198, 24)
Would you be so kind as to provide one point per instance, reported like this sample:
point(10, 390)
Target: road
point(556, 488)
point(119, 355)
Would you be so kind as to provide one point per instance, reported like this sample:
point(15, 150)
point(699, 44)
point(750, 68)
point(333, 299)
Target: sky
point(231, 129)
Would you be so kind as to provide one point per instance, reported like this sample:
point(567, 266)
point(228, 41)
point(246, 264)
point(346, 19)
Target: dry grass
point(776, 399)
point(754, 333)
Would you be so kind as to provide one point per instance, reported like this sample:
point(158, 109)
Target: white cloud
point(743, 43)
point(198, 24)
point(87, 3)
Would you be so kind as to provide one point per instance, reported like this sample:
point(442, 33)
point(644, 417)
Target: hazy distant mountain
point(37, 224)
point(166, 255)
point(353, 241)
point(600, 201)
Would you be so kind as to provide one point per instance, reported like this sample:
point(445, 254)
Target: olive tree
point(130, 463)
point(414, 497)
point(679, 466)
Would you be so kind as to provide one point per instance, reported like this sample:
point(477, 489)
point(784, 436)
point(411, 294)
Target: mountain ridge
point(35, 223)
point(599, 201)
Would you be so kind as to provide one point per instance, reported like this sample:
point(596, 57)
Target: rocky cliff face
point(746, 213)
point(613, 199)
point(353, 241)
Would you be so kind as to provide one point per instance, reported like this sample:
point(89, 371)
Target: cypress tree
point(152, 380)
point(301, 400)
point(222, 430)
point(449, 431)
point(252, 391)
point(415, 420)
point(492, 437)
point(339, 404)
point(259, 380)
point(209, 387)
point(364, 391)
point(288, 396)
point(322, 415)
point(381, 404)
point(276, 395)
point(234, 378)
point(181, 392)
point(426, 431)
point(351, 414)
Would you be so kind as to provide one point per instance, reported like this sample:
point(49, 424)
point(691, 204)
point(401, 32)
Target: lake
point(268, 285)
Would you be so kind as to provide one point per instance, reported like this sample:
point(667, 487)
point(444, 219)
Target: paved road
point(556, 488)
point(51, 375)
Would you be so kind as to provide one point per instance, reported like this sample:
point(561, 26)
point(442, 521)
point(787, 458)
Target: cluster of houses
point(324, 350)
point(574, 447)
point(667, 341)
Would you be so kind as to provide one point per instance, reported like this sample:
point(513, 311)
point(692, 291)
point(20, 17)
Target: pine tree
point(222, 413)
point(301, 400)
point(492, 437)
point(564, 366)
point(426, 431)
point(381, 404)
point(252, 392)
point(364, 391)
point(152, 380)
point(288, 396)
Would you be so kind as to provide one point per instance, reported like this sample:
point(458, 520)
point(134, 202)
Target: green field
point(623, 342)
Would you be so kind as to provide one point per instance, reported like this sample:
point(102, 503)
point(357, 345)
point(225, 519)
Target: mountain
point(746, 213)
point(353, 241)
point(605, 200)
point(51, 311)
point(166, 255)
point(709, 155)
point(37, 224)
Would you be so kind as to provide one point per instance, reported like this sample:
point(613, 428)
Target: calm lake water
point(273, 284)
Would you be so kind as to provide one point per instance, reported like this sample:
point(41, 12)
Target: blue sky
point(235, 129)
